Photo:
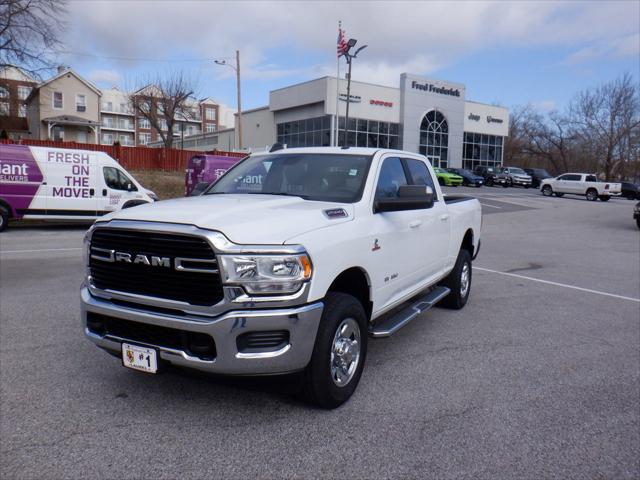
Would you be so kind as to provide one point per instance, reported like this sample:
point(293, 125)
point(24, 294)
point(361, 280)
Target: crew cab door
point(433, 225)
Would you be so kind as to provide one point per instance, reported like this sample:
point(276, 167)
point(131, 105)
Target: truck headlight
point(266, 274)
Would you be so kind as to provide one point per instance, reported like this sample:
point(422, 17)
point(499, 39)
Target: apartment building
point(15, 87)
point(65, 107)
point(68, 107)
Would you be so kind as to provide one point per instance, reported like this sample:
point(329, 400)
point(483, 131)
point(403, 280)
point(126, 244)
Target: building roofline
point(75, 74)
point(266, 107)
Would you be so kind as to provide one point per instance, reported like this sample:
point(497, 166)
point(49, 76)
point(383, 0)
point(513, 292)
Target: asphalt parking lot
point(538, 377)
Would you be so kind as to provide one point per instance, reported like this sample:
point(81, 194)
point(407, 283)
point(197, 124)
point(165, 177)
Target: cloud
point(420, 37)
point(626, 46)
point(110, 77)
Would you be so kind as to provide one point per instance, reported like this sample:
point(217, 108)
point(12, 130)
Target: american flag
point(342, 46)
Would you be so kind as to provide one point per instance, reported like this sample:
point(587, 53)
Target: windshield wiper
point(286, 194)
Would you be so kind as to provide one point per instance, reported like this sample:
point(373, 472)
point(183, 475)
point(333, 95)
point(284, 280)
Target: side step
point(395, 322)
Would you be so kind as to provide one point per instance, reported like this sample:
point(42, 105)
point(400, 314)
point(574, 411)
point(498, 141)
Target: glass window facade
point(434, 139)
point(481, 149)
point(369, 133)
point(310, 132)
point(316, 132)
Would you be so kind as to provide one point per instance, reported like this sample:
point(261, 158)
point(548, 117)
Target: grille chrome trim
point(181, 268)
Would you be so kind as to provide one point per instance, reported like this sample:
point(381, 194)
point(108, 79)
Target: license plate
point(139, 358)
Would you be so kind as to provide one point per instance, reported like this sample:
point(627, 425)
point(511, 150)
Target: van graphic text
point(14, 172)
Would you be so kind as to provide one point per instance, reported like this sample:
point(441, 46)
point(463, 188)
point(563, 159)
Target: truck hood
point(243, 219)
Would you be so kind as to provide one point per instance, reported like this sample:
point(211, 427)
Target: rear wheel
point(459, 282)
point(604, 198)
point(547, 191)
point(559, 195)
point(592, 195)
point(339, 352)
point(4, 218)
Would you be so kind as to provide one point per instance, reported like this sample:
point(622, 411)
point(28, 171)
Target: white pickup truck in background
point(585, 184)
point(290, 274)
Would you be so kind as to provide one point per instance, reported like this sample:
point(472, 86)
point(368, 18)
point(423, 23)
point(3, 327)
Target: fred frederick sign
point(430, 87)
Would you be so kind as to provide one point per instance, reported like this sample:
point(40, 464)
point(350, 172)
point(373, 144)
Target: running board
point(395, 322)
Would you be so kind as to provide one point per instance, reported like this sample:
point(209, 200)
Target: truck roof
point(337, 150)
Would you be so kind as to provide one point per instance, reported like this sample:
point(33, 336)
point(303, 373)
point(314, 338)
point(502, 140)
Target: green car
point(447, 178)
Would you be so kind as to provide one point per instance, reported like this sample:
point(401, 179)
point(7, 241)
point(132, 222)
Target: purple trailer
point(204, 169)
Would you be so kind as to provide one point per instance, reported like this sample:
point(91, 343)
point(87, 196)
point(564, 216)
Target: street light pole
point(237, 69)
point(351, 43)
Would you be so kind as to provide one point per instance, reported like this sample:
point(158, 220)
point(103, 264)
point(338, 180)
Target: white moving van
point(64, 184)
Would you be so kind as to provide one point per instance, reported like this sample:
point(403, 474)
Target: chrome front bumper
point(301, 322)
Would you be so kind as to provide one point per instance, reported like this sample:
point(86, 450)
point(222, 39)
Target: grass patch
point(164, 184)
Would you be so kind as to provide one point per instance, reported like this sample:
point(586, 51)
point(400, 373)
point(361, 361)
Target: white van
point(64, 184)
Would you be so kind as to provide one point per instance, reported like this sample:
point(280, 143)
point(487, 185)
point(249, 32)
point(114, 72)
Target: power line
point(136, 59)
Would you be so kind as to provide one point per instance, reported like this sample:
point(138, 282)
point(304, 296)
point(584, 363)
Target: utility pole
point(239, 100)
point(239, 113)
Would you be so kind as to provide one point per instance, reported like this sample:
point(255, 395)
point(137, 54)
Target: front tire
point(339, 352)
point(459, 282)
point(592, 195)
point(547, 191)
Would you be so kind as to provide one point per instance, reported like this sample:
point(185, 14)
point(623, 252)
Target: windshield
point(519, 171)
point(541, 172)
point(311, 176)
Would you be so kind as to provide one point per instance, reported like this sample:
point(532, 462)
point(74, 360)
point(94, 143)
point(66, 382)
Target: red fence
point(134, 158)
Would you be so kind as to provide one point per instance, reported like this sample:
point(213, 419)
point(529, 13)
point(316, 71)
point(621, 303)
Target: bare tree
point(29, 29)
point(163, 102)
point(606, 118)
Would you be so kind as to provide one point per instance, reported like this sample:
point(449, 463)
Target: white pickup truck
point(289, 273)
point(585, 184)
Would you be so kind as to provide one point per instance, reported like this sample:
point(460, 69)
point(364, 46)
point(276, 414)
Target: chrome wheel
point(464, 280)
point(345, 352)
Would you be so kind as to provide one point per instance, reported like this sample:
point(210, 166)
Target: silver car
point(516, 176)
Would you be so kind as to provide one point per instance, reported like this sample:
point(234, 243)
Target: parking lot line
point(492, 206)
point(41, 250)
point(548, 282)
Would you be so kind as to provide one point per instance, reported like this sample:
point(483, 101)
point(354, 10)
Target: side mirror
point(410, 197)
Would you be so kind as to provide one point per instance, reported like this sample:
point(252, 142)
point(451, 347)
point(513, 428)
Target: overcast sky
point(511, 53)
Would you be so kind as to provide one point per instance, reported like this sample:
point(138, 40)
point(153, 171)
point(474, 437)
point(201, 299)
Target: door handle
point(104, 192)
point(444, 217)
point(92, 192)
point(415, 224)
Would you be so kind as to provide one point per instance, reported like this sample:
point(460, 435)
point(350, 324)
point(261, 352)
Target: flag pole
point(337, 116)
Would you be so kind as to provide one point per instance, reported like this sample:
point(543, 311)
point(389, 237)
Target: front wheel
point(592, 195)
point(339, 352)
point(547, 191)
point(459, 282)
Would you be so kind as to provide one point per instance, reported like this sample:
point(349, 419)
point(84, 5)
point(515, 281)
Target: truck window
point(591, 178)
point(419, 173)
point(392, 177)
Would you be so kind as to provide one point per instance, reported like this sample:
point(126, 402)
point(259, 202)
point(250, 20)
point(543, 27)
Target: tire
point(322, 378)
point(527, 186)
point(604, 198)
point(547, 191)
point(509, 183)
point(454, 282)
point(4, 219)
point(638, 222)
point(630, 197)
point(505, 185)
point(489, 182)
point(441, 182)
point(592, 195)
point(559, 195)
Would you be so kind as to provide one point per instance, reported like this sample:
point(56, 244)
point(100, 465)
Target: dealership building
point(431, 117)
